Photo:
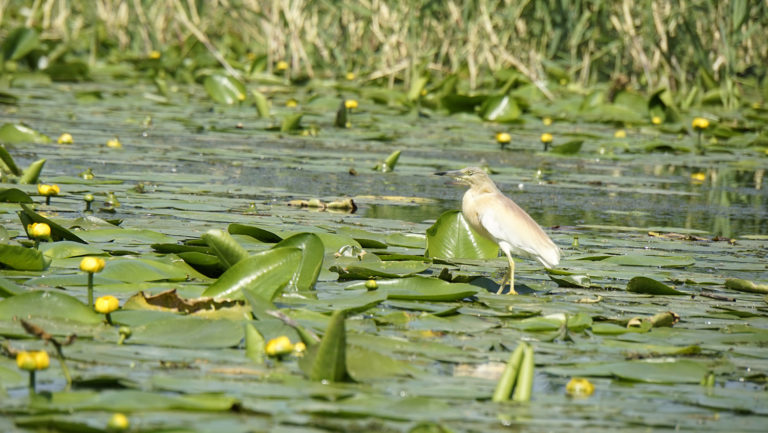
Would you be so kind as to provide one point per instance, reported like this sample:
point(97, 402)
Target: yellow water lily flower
point(291, 103)
point(48, 190)
point(66, 138)
point(350, 104)
point(282, 65)
point(350, 76)
point(503, 137)
point(579, 387)
point(656, 120)
point(546, 121)
point(118, 422)
point(154, 54)
point(33, 360)
point(279, 346)
point(92, 264)
point(39, 230)
point(106, 304)
point(114, 143)
point(546, 137)
point(700, 123)
point(620, 133)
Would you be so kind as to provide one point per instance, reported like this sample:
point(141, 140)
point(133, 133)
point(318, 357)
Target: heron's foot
point(508, 278)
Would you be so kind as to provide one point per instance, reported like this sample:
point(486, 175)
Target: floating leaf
point(508, 378)
point(264, 274)
point(568, 148)
point(52, 305)
point(650, 286)
point(328, 360)
point(254, 232)
point(500, 108)
point(312, 251)
point(9, 288)
point(14, 195)
point(451, 237)
point(19, 43)
point(254, 344)
point(14, 134)
point(745, 286)
point(224, 89)
point(22, 258)
point(291, 122)
point(421, 289)
point(262, 104)
point(9, 165)
point(524, 386)
point(365, 364)
point(32, 173)
point(188, 331)
point(225, 247)
point(643, 260)
point(28, 216)
point(376, 269)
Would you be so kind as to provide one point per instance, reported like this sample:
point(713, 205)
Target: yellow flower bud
point(281, 65)
point(279, 346)
point(48, 190)
point(698, 177)
point(154, 54)
point(92, 264)
point(546, 137)
point(656, 120)
point(579, 387)
point(114, 143)
point(503, 137)
point(25, 361)
point(291, 103)
point(620, 133)
point(700, 123)
point(350, 103)
point(350, 76)
point(371, 285)
point(39, 230)
point(118, 422)
point(546, 121)
point(33, 360)
point(299, 348)
point(106, 304)
point(42, 360)
point(66, 138)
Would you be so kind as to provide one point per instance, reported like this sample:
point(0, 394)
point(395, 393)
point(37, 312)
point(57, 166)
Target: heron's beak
point(455, 176)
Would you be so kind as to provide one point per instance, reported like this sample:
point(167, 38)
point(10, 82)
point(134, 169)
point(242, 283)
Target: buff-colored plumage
point(496, 217)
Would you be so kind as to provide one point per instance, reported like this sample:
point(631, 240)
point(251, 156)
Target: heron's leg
point(512, 276)
point(509, 277)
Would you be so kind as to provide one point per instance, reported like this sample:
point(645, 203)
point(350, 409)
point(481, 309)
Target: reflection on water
point(727, 202)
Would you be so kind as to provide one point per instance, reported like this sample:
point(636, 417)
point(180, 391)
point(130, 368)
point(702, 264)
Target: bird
point(495, 216)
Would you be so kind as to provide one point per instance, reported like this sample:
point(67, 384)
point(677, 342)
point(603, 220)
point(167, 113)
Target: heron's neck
point(484, 188)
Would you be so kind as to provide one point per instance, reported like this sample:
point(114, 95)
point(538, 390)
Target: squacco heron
point(495, 216)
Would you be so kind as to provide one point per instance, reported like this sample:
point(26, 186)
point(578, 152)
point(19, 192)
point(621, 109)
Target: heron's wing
point(508, 223)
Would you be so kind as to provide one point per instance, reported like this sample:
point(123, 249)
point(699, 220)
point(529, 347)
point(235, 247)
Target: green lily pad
point(452, 237)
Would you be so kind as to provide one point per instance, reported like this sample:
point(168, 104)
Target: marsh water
point(187, 165)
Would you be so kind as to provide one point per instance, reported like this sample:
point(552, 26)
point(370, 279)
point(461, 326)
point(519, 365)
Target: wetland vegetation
point(222, 216)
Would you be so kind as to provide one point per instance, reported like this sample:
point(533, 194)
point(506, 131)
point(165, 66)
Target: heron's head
point(472, 176)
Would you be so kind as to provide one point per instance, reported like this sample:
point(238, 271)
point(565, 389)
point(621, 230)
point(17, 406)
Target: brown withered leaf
point(169, 300)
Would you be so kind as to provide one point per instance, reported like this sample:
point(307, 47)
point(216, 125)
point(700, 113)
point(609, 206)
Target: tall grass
point(651, 43)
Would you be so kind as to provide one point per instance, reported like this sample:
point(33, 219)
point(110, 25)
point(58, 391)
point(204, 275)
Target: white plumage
point(496, 217)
